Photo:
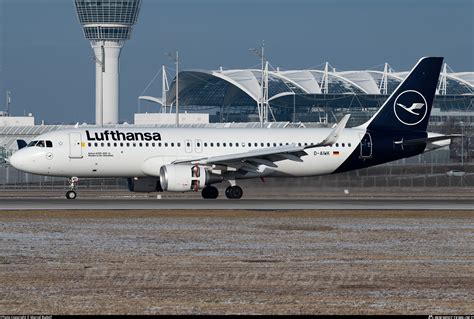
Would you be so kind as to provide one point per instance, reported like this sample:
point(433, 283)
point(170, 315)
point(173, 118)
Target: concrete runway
point(246, 204)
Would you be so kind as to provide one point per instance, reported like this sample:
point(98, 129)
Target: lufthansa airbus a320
point(194, 159)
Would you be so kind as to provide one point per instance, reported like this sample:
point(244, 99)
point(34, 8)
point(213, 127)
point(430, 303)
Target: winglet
point(334, 135)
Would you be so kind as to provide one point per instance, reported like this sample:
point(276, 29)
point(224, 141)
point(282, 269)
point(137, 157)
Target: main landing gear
point(209, 192)
point(71, 194)
point(234, 192)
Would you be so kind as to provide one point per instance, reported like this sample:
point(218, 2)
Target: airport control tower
point(107, 24)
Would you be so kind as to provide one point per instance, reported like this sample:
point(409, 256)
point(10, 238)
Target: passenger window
point(128, 144)
point(255, 144)
point(166, 144)
point(218, 144)
point(172, 144)
point(224, 144)
point(188, 144)
point(349, 144)
point(153, 144)
point(179, 144)
point(205, 144)
point(212, 144)
point(121, 144)
point(337, 144)
point(89, 144)
point(134, 144)
point(108, 144)
point(230, 144)
point(197, 144)
point(95, 144)
point(268, 144)
point(140, 144)
point(146, 144)
point(159, 144)
point(343, 144)
point(49, 144)
point(250, 144)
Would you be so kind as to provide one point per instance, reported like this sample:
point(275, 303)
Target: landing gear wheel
point(71, 195)
point(234, 192)
point(210, 192)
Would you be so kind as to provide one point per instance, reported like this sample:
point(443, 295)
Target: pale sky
point(48, 64)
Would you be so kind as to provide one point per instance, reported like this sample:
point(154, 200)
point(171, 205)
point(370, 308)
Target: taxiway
point(249, 204)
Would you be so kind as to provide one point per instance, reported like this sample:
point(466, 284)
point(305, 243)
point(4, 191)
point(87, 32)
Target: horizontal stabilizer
point(426, 140)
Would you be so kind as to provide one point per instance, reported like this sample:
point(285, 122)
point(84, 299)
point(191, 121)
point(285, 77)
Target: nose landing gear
point(71, 194)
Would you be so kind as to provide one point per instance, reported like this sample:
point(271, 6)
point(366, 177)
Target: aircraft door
point(188, 146)
point(366, 146)
point(75, 147)
point(198, 146)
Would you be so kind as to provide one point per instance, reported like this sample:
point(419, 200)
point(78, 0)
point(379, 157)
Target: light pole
point(9, 100)
point(261, 54)
point(175, 58)
point(462, 143)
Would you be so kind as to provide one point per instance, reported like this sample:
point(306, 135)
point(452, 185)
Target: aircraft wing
point(268, 156)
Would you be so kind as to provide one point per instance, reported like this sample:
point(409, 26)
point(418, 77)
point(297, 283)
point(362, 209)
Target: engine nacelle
point(144, 185)
point(186, 178)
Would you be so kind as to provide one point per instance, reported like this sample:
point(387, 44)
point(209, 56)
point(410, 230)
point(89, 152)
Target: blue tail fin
point(409, 106)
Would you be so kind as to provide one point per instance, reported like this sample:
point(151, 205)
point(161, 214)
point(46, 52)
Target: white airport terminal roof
point(310, 81)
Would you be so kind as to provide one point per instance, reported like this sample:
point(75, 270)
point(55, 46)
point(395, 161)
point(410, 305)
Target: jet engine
point(144, 185)
point(186, 178)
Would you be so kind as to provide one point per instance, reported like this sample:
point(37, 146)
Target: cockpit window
point(40, 144)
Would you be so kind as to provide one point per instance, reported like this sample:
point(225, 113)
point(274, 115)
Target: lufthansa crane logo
point(410, 107)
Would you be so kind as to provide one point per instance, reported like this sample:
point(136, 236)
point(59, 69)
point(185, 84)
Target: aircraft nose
point(17, 160)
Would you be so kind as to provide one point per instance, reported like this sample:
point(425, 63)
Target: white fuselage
point(72, 154)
